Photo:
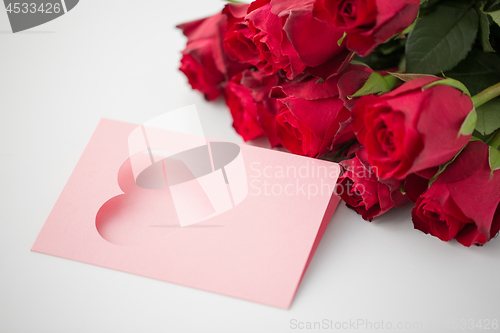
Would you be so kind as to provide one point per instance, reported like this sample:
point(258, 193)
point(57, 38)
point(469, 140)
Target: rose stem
point(486, 95)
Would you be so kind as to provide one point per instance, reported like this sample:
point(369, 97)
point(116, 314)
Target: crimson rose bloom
point(288, 37)
point(361, 190)
point(238, 39)
point(204, 61)
point(367, 23)
point(253, 111)
point(410, 129)
point(313, 119)
point(463, 202)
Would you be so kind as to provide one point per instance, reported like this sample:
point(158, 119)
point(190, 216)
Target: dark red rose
point(253, 110)
point(362, 191)
point(463, 202)
point(367, 23)
point(410, 129)
point(204, 62)
point(238, 39)
point(313, 119)
point(288, 37)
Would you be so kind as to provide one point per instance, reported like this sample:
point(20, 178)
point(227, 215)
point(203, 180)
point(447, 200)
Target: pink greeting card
point(228, 218)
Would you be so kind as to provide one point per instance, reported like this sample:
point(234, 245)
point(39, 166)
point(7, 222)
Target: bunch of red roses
point(297, 72)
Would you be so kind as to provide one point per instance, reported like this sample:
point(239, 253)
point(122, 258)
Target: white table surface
point(119, 60)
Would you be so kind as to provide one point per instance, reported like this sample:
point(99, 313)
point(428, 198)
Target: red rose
point(410, 129)
point(238, 39)
point(313, 119)
point(253, 111)
point(361, 190)
point(463, 202)
point(204, 61)
point(367, 23)
point(288, 37)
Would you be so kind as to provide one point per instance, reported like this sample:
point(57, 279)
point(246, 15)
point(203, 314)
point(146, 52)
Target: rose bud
point(313, 119)
point(411, 129)
point(367, 23)
point(253, 110)
point(288, 37)
point(463, 202)
point(361, 190)
point(204, 61)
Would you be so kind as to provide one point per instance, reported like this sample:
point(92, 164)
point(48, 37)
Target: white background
point(118, 59)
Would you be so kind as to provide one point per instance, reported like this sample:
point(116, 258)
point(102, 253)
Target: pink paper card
point(243, 222)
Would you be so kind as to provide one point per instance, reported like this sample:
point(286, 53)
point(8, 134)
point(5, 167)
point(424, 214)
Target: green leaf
point(478, 71)
point(469, 123)
point(494, 159)
point(442, 38)
point(492, 5)
point(495, 16)
point(376, 84)
point(408, 77)
point(339, 42)
point(449, 82)
point(484, 24)
point(488, 117)
point(356, 62)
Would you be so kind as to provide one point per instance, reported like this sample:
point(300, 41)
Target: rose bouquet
point(404, 94)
